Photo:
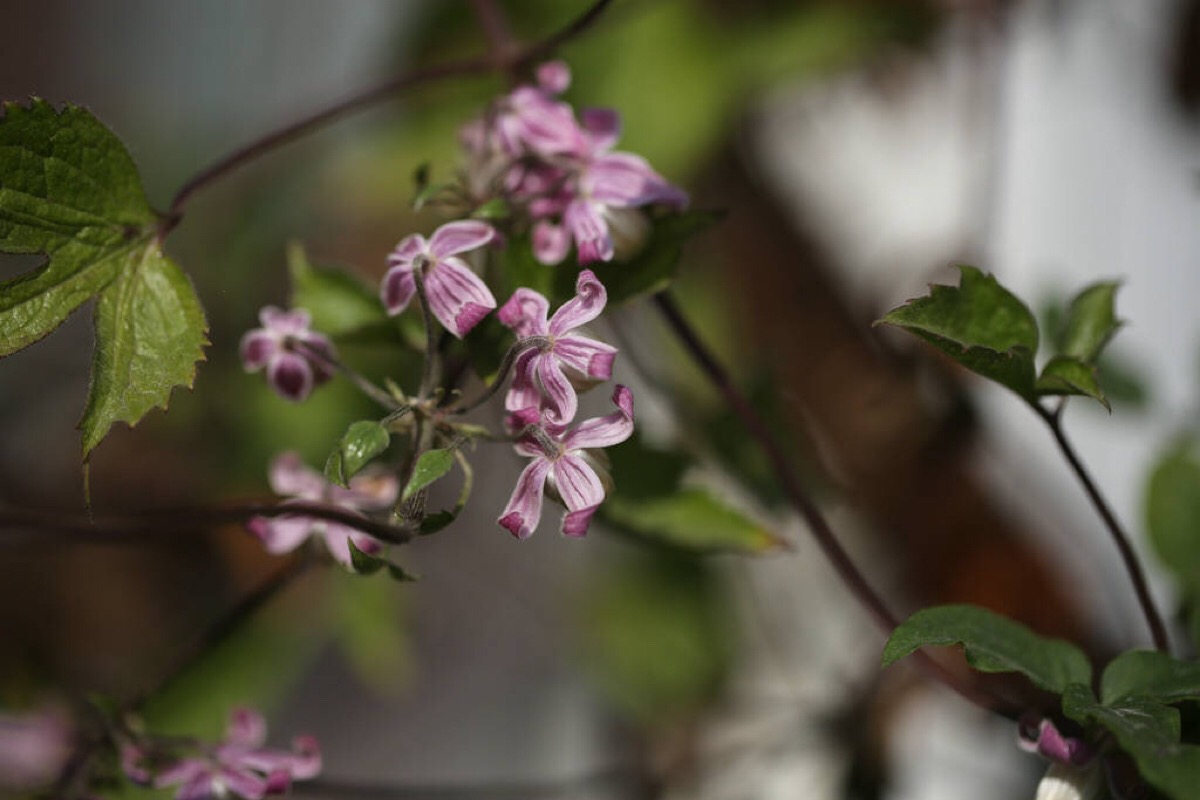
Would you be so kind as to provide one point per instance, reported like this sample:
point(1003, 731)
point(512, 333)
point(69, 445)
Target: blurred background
point(859, 150)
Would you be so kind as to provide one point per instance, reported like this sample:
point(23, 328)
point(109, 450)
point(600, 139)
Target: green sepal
point(362, 441)
point(992, 643)
point(1067, 375)
point(432, 464)
point(367, 564)
point(432, 523)
point(1150, 674)
point(979, 324)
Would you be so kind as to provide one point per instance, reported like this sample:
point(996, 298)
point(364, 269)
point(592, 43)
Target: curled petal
point(408, 249)
point(523, 393)
point(397, 289)
point(457, 296)
point(575, 523)
point(282, 534)
point(246, 727)
point(289, 476)
point(561, 403)
point(605, 431)
point(587, 357)
point(459, 237)
point(589, 300)
point(290, 376)
point(256, 348)
point(603, 126)
point(580, 489)
point(589, 230)
point(283, 322)
point(550, 242)
point(524, 509)
point(525, 313)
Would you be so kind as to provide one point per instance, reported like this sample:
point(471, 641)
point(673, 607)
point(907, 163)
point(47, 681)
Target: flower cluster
point(238, 765)
point(290, 477)
point(563, 171)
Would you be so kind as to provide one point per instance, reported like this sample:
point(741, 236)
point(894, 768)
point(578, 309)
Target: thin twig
point(1133, 565)
point(163, 524)
point(384, 91)
point(361, 382)
point(800, 500)
point(506, 365)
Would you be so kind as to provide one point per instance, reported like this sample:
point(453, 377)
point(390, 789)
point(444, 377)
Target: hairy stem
point(1133, 565)
point(163, 524)
point(806, 506)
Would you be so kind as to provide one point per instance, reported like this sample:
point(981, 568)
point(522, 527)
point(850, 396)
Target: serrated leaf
point(1091, 322)
point(979, 324)
point(1150, 674)
point(1149, 732)
point(692, 520)
point(340, 303)
point(1172, 512)
point(150, 332)
point(1067, 375)
point(432, 465)
point(993, 643)
point(654, 266)
point(69, 190)
point(361, 442)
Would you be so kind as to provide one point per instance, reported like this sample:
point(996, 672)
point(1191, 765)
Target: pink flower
point(542, 376)
point(560, 460)
point(290, 477)
point(34, 748)
point(531, 120)
point(280, 347)
point(240, 765)
point(1041, 737)
point(457, 297)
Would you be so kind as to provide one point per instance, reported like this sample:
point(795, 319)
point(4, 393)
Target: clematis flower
point(544, 377)
point(561, 464)
point(290, 477)
point(606, 188)
point(1074, 772)
point(239, 765)
point(457, 296)
point(531, 120)
point(280, 344)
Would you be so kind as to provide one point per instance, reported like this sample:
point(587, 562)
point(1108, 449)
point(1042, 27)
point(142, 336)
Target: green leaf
point(654, 266)
point(519, 268)
point(69, 190)
point(1150, 674)
point(1091, 322)
point(1149, 732)
point(1172, 513)
point(432, 465)
point(367, 564)
point(993, 643)
point(979, 324)
point(361, 442)
point(339, 302)
point(150, 332)
point(691, 519)
point(1068, 375)
point(432, 523)
point(496, 208)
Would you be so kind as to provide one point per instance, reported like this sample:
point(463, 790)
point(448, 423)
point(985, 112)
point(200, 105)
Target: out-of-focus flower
point(457, 296)
point(562, 465)
point(546, 377)
point(239, 765)
point(1074, 772)
point(1069, 782)
point(286, 347)
point(290, 477)
point(34, 748)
